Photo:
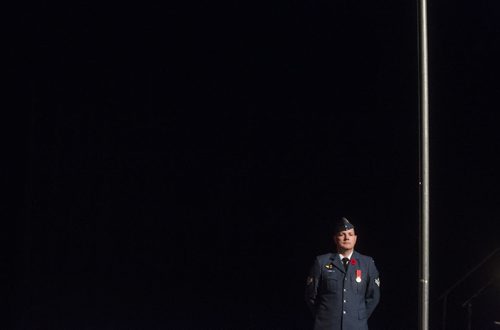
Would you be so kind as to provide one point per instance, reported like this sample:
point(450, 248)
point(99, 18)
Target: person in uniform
point(343, 288)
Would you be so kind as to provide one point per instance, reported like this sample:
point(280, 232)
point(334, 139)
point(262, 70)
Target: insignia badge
point(329, 266)
point(377, 281)
point(358, 275)
point(309, 280)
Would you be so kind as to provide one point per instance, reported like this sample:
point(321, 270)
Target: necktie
point(345, 261)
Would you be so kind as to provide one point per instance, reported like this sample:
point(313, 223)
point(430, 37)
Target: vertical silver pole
point(424, 176)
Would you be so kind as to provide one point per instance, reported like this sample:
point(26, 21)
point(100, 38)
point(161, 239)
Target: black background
point(177, 165)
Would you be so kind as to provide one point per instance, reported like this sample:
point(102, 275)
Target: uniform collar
point(337, 262)
point(348, 257)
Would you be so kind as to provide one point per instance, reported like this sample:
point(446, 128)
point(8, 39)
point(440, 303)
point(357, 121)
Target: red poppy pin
point(353, 261)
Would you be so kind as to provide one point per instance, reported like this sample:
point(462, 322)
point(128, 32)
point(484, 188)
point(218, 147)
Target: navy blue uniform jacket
point(341, 300)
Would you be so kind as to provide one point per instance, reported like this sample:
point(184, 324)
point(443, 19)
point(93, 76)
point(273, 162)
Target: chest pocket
point(361, 286)
point(330, 282)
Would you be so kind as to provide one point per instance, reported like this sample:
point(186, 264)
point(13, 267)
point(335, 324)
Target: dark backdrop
point(180, 163)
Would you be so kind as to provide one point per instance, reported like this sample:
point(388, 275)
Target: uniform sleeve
point(312, 284)
point(372, 296)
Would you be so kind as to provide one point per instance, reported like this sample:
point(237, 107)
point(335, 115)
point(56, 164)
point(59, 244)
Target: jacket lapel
point(352, 268)
point(336, 262)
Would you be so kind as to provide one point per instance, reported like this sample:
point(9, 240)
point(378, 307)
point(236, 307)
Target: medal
point(358, 275)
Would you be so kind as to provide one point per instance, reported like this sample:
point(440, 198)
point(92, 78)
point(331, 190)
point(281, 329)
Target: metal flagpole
point(424, 167)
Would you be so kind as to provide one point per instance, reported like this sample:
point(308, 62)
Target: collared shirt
point(348, 256)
